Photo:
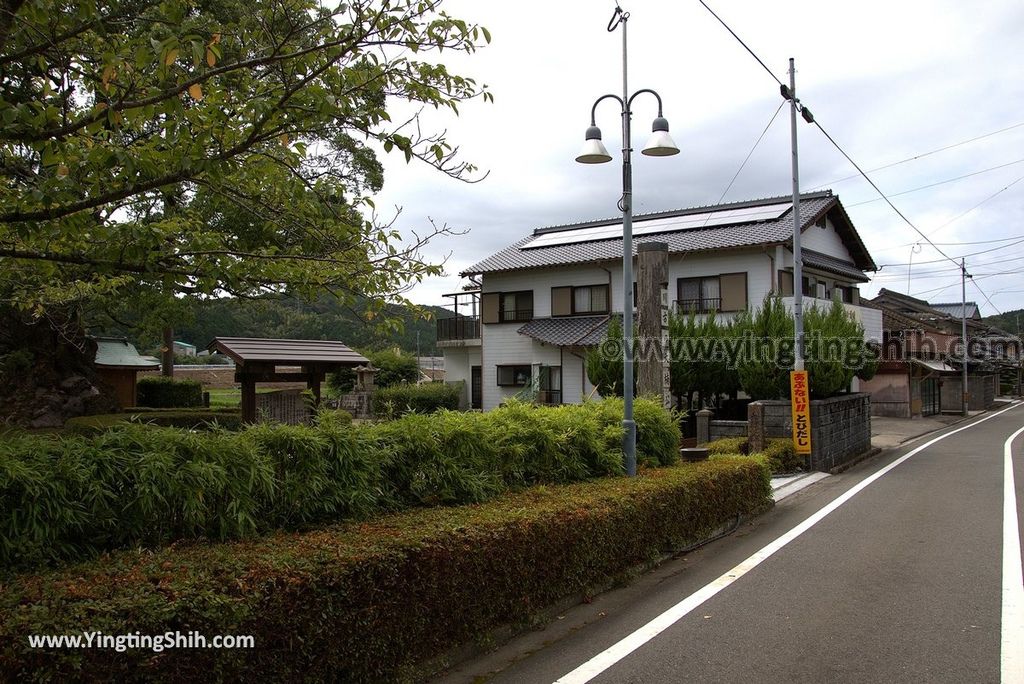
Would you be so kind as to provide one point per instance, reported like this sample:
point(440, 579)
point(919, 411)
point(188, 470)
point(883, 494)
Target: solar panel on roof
point(668, 224)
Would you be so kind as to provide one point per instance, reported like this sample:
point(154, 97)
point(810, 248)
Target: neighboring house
point(920, 373)
point(537, 306)
point(184, 348)
point(118, 363)
point(431, 369)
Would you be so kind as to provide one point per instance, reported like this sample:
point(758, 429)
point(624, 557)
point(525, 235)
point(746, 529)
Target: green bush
point(334, 604)
point(229, 419)
point(657, 430)
point(726, 446)
point(398, 400)
point(135, 485)
point(779, 453)
point(163, 392)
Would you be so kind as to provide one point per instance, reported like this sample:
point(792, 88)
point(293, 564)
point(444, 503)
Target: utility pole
point(798, 264)
point(963, 316)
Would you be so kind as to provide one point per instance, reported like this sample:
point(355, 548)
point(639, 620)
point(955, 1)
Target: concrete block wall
point(840, 430)
point(840, 427)
point(727, 428)
point(982, 390)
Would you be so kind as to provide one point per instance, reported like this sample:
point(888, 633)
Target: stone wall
point(223, 376)
point(283, 406)
point(727, 428)
point(840, 428)
point(357, 403)
point(982, 390)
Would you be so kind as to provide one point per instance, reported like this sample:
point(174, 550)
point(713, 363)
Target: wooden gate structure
point(257, 359)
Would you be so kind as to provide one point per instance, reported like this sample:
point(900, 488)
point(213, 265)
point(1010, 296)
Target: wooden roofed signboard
point(257, 360)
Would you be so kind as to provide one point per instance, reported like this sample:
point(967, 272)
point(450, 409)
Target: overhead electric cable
point(749, 154)
point(816, 122)
point(770, 72)
point(922, 155)
point(942, 182)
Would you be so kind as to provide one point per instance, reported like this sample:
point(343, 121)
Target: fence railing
point(461, 328)
point(704, 305)
point(508, 315)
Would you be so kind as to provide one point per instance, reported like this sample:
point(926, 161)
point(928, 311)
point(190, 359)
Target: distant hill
point(284, 318)
point(1011, 321)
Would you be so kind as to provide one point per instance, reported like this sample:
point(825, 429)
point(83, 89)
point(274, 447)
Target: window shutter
point(785, 283)
point(733, 288)
point(489, 307)
point(561, 301)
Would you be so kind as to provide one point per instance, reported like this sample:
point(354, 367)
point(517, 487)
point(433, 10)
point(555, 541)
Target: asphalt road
point(901, 582)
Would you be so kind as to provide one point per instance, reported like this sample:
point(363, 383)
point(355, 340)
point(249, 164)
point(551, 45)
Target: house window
point(516, 306)
point(590, 299)
point(513, 376)
point(699, 295)
point(550, 391)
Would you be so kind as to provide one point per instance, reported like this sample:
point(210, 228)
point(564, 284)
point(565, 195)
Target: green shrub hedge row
point(398, 400)
point(191, 419)
point(138, 485)
point(369, 602)
point(779, 453)
point(163, 392)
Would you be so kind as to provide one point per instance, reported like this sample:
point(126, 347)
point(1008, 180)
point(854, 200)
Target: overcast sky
point(887, 80)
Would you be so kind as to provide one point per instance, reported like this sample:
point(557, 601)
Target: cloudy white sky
point(888, 80)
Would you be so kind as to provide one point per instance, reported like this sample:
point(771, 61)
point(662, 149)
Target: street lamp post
point(594, 152)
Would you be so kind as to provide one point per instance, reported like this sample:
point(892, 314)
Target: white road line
point(616, 652)
point(1012, 647)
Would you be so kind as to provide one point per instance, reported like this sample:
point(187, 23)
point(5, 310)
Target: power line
point(749, 154)
point(770, 73)
point(962, 256)
point(942, 182)
point(990, 197)
point(973, 242)
point(855, 165)
point(922, 155)
point(982, 276)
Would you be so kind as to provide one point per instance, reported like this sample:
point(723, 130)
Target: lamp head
point(593, 151)
point(660, 143)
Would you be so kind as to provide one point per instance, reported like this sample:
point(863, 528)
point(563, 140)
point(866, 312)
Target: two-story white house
point(534, 308)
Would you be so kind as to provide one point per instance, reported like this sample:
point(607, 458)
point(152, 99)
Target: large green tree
point(166, 148)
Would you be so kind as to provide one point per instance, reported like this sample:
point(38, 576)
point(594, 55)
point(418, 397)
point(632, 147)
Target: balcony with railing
point(458, 331)
point(700, 306)
point(516, 315)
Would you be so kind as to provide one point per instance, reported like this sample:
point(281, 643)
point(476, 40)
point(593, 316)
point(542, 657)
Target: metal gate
point(476, 387)
point(930, 400)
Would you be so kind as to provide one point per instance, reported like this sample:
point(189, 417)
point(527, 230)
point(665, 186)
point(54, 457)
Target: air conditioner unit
point(820, 291)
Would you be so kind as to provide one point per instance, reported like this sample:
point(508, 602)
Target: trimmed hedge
point(779, 453)
point(398, 400)
point(163, 392)
point(335, 604)
point(190, 419)
point(137, 485)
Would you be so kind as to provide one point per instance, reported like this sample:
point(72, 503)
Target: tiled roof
point(117, 352)
point(953, 309)
point(769, 232)
point(832, 264)
point(574, 331)
point(254, 349)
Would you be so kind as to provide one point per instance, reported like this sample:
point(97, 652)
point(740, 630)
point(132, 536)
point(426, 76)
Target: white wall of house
point(503, 345)
point(458, 363)
point(825, 240)
point(755, 263)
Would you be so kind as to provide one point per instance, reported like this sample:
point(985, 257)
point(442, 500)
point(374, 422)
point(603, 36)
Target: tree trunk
point(167, 354)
